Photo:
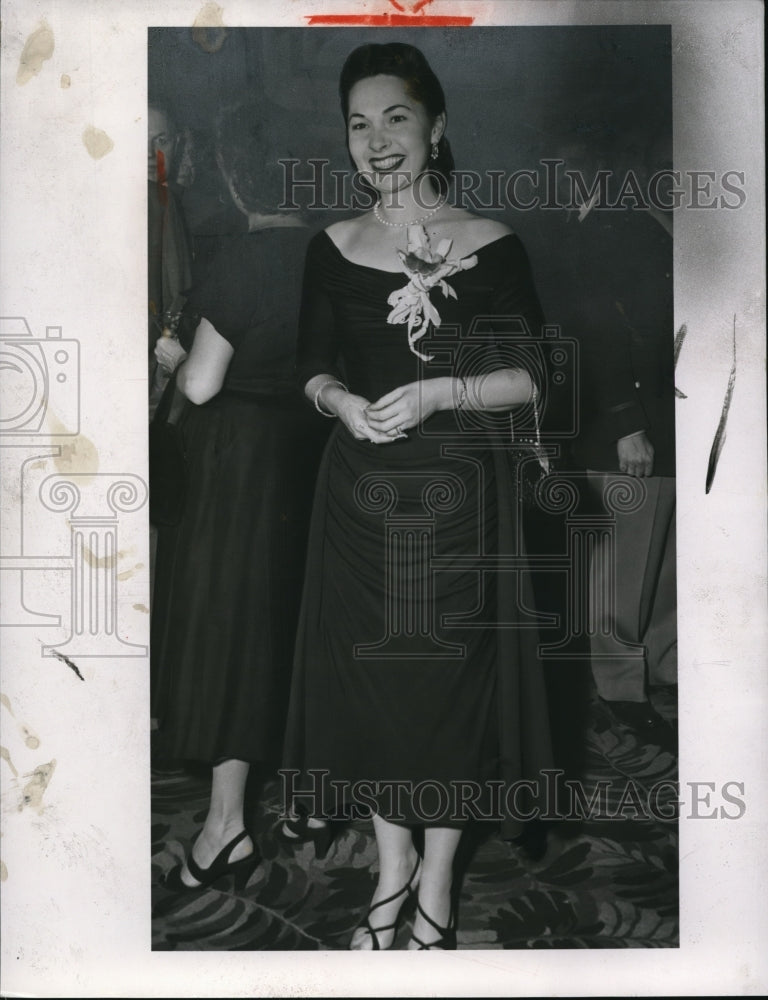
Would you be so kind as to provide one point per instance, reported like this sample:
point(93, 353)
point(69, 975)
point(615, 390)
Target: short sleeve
point(319, 342)
point(516, 317)
point(223, 288)
point(520, 336)
point(515, 294)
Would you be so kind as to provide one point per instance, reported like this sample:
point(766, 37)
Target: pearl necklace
point(412, 222)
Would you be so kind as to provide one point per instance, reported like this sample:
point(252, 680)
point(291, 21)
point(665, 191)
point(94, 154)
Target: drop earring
point(435, 151)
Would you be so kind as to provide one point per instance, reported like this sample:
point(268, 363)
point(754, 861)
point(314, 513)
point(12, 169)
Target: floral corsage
point(425, 269)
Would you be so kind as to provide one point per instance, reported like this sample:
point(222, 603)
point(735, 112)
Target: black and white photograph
point(474, 711)
point(403, 589)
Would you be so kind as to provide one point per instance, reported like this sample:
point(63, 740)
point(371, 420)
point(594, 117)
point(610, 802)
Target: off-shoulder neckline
point(381, 270)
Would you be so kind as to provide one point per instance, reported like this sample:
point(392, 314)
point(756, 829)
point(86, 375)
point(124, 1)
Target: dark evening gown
point(229, 576)
point(416, 657)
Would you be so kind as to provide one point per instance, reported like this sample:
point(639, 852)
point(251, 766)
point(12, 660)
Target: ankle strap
point(446, 933)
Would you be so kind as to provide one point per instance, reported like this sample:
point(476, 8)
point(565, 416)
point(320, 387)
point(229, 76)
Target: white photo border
point(76, 814)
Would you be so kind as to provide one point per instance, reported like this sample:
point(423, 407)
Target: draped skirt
point(416, 682)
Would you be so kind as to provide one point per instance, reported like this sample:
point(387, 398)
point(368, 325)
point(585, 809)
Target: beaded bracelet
point(325, 385)
point(535, 442)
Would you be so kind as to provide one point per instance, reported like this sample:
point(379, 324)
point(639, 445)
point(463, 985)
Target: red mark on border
point(400, 20)
point(391, 20)
point(415, 7)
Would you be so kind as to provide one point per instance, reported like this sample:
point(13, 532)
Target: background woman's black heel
point(301, 832)
point(220, 866)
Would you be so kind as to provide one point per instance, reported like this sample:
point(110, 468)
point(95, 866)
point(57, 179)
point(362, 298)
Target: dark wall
point(514, 94)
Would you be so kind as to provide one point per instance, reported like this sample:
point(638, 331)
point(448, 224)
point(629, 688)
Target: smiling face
point(390, 133)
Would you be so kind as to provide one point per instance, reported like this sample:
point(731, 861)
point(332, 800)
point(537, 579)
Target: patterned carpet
point(608, 881)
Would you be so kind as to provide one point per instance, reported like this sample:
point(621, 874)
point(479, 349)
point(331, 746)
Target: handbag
point(168, 471)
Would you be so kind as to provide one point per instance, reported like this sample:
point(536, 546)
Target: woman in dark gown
point(229, 576)
point(402, 672)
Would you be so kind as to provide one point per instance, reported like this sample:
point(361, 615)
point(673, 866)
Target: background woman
point(229, 576)
point(401, 674)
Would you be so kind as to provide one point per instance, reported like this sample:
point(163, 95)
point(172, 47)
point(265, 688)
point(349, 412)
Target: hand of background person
point(169, 353)
point(406, 407)
point(635, 455)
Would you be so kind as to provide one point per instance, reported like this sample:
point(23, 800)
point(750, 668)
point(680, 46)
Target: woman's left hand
point(409, 405)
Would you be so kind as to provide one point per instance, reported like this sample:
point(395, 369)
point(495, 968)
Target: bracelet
point(462, 393)
point(325, 385)
point(535, 398)
point(536, 440)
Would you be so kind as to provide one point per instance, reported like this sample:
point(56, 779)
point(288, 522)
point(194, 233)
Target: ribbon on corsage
point(425, 269)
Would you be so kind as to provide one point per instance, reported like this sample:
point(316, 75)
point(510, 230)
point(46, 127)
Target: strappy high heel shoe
point(300, 832)
point(407, 891)
point(220, 866)
point(447, 939)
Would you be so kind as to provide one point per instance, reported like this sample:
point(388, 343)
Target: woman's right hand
point(350, 409)
point(334, 399)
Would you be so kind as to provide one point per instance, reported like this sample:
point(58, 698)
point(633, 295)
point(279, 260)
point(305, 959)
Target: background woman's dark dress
point(401, 672)
point(229, 577)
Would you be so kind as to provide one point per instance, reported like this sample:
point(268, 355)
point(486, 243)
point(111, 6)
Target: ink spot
point(80, 456)
point(7, 757)
point(30, 740)
point(680, 336)
point(66, 81)
point(29, 737)
point(37, 48)
point(40, 778)
point(97, 142)
point(102, 562)
point(719, 441)
point(208, 30)
point(141, 607)
point(70, 663)
point(128, 573)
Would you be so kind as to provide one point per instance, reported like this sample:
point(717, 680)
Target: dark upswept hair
point(408, 63)
point(246, 144)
